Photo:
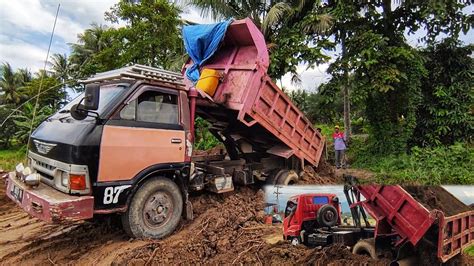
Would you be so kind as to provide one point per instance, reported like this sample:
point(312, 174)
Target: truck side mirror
point(91, 97)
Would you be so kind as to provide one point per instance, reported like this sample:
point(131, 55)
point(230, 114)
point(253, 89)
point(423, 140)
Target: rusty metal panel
point(455, 233)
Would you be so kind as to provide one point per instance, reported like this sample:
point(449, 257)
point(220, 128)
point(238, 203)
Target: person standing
point(339, 146)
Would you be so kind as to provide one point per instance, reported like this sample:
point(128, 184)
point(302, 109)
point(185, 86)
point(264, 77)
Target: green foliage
point(440, 165)
point(204, 138)
point(152, 35)
point(444, 115)
point(52, 91)
point(24, 119)
point(11, 83)
point(8, 129)
point(469, 250)
point(10, 158)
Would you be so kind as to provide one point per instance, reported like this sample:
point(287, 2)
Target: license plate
point(17, 193)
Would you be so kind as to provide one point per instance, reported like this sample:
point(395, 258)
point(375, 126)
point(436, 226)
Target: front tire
point(365, 247)
point(287, 177)
point(155, 210)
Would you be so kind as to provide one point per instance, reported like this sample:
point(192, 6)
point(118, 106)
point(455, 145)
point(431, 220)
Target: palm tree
point(268, 15)
point(90, 43)
point(10, 83)
point(60, 66)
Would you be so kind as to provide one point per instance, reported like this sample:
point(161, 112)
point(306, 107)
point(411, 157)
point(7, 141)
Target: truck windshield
point(108, 94)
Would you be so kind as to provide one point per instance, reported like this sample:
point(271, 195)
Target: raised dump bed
point(248, 104)
point(416, 213)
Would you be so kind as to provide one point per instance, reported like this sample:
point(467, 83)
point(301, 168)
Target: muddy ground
point(227, 229)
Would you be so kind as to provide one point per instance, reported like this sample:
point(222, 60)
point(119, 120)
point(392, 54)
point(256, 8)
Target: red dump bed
point(396, 211)
point(246, 88)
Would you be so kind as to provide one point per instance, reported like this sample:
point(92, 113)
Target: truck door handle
point(176, 141)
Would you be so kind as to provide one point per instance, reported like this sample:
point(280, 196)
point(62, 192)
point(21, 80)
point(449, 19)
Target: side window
point(152, 106)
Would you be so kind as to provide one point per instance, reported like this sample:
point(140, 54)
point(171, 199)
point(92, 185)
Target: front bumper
point(49, 204)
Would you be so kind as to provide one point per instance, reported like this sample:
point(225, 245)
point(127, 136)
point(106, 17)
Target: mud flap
point(189, 215)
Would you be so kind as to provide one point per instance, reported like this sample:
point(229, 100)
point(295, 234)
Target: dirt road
point(227, 229)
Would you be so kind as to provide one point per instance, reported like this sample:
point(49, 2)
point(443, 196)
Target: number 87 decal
point(111, 194)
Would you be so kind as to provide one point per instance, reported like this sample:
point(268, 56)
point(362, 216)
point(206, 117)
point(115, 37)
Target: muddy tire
point(327, 216)
point(155, 209)
point(286, 177)
point(365, 247)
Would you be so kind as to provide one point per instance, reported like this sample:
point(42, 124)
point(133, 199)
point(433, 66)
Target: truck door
point(146, 132)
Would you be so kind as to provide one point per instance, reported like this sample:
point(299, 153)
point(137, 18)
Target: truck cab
point(85, 162)
point(306, 213)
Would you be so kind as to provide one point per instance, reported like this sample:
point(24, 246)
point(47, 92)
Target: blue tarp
point(201, 42)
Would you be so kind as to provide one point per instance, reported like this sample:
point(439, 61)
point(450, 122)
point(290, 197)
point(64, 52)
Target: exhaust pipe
point(408, 261)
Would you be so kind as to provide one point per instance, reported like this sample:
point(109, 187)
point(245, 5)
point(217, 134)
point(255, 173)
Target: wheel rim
point(328, 216)
point(158, 209)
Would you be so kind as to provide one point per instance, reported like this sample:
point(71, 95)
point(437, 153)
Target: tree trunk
point(345, 91)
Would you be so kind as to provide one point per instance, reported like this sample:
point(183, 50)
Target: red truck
point(403, 226)
point(305, 213)
point(126, 145)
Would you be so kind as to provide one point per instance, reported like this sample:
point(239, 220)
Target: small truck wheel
point(155, 209)
point(327, 216)
point(365, 247)
point(287, 177)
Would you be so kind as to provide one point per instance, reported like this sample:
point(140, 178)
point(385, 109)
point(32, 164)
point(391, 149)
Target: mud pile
point(228, 229)
point(436, 197)
point(324, 174)
point(284, 253)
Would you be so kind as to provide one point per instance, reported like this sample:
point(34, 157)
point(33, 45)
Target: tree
point(152, 35)
point(60, 66)
point(292, 29)
point(52, 92)
point(10, 84)
point(385, 68)
point(85, 58)
point(444, 115)
point(24, 120)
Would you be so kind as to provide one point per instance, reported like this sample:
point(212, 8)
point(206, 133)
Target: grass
point(427, 166)
point(10, 158)
point(469, 250)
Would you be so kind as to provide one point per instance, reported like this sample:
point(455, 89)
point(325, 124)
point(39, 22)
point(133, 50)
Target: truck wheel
point(155, 209)
point(286, 177)
point(327, 216)
point(365, 247)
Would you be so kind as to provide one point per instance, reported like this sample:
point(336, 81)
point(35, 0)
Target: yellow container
point(208, 81)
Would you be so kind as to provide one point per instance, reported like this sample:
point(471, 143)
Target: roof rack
point(137, 72)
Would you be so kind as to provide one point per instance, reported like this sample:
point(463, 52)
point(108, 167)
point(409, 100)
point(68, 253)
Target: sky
point(463, 193)
point(26, 25)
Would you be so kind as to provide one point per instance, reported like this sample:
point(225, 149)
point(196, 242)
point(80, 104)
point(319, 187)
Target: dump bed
point(256, 100)
point(397, 211)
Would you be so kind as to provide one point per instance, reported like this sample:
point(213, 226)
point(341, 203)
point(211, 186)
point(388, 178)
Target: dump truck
point(126, 144)
point(406, 225)
point(305, 213)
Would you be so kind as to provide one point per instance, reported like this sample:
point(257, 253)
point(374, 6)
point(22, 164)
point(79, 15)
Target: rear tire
point(365, 247)
point(286, 177)
point(155, 210)
point(327, 216)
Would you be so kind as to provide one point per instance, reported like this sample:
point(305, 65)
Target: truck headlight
point(64, 179)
